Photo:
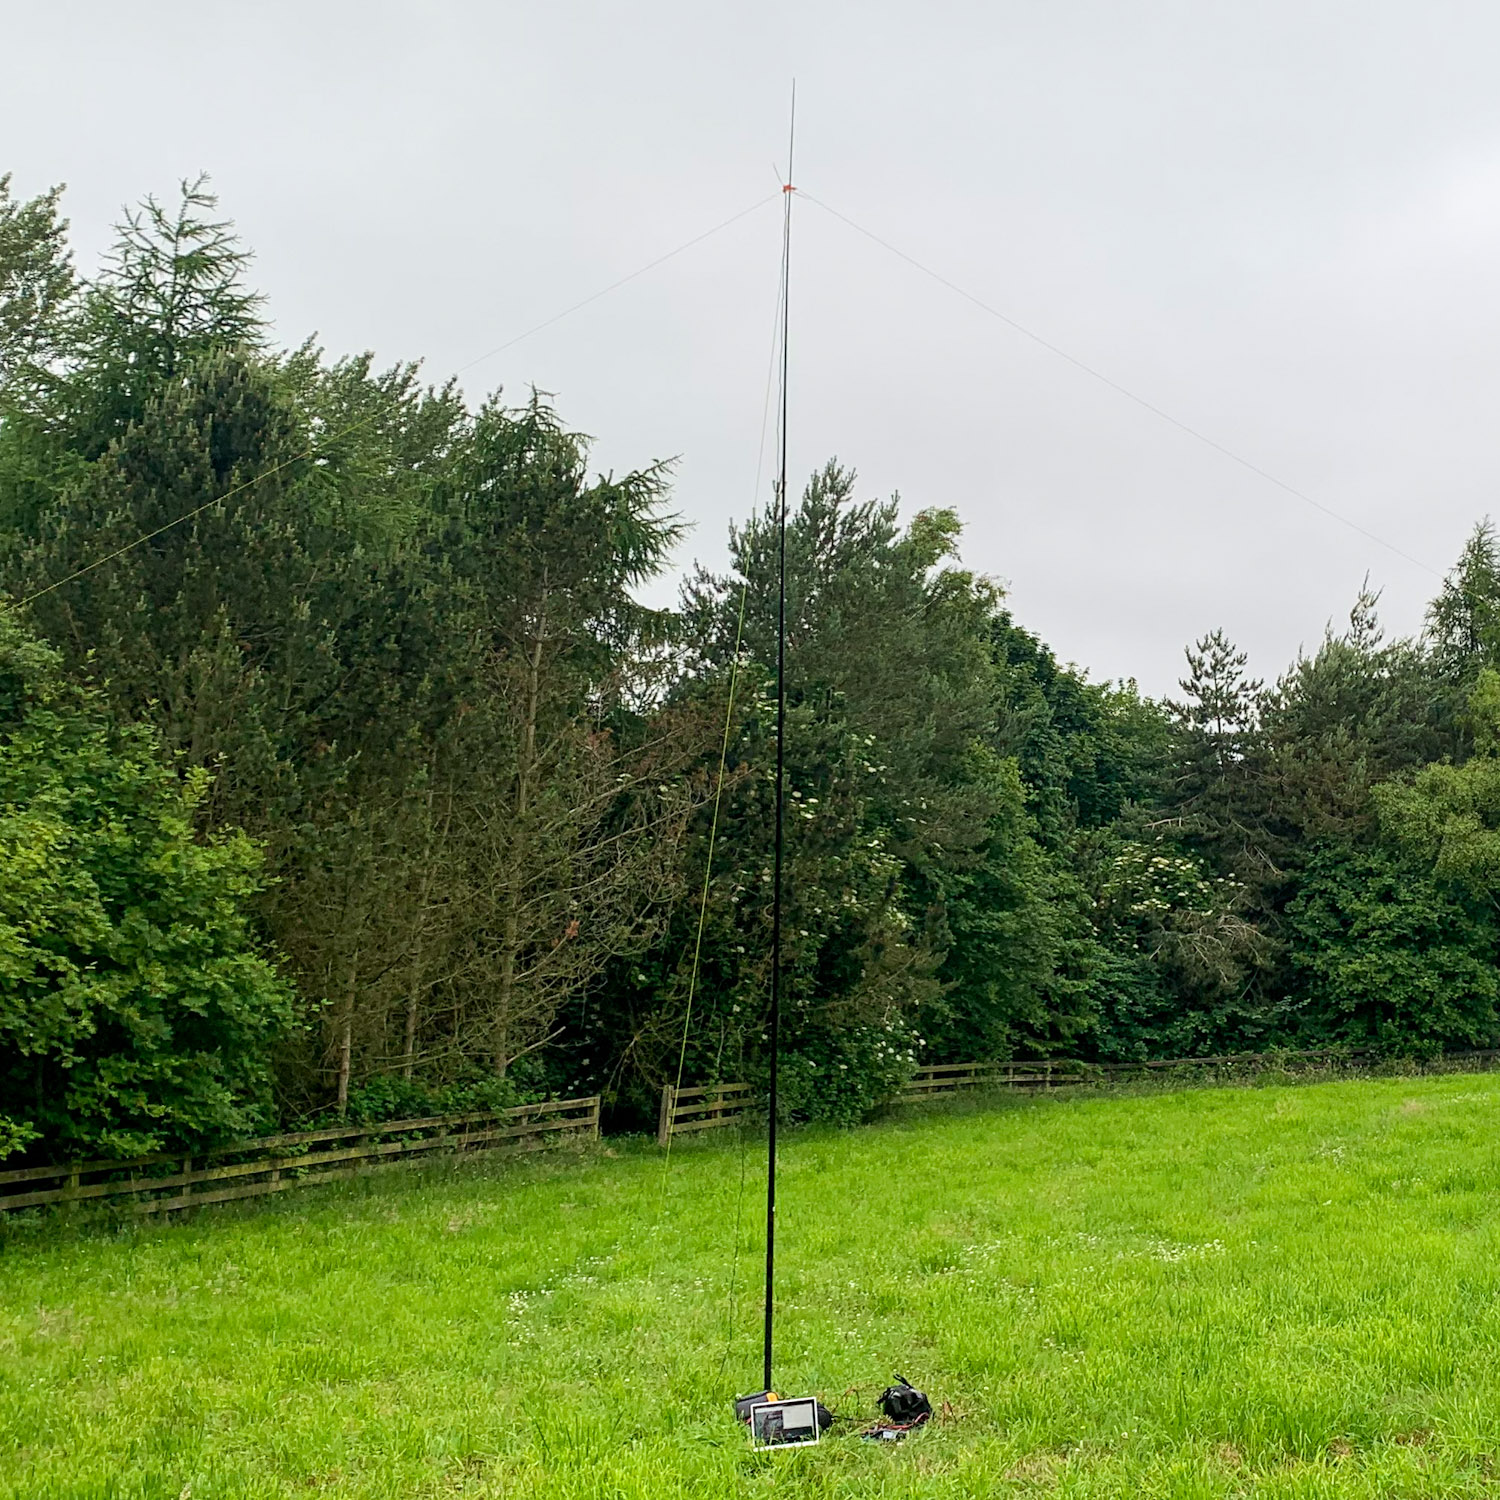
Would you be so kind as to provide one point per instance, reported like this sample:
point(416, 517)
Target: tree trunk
point(409, 1039)
point(424, 895)
point(346, 1052)
point(346, 1036)
point(510, 921)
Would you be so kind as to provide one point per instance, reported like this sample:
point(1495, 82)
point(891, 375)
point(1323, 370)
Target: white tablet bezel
point(781, 1405)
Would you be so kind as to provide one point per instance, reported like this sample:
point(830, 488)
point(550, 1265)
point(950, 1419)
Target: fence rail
point(726, 1103)
point(274, 1164)
point(949, 1078)
point(1064, 1072)
point(706, 1107)
point(165, 1183)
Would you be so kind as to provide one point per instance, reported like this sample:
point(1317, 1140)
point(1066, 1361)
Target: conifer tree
point(171, 292)
point(1212, 785)
point(37, 286)
point(1463, 622)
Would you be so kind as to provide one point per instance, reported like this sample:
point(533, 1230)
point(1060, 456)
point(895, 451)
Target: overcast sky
point(1279, 222)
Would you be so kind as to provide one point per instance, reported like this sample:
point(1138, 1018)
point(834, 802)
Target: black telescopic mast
point(775, 1037)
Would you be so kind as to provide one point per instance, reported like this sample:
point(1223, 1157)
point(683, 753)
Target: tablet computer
point(784, 1424)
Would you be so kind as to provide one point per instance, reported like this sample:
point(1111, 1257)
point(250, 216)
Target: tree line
point(342, 771)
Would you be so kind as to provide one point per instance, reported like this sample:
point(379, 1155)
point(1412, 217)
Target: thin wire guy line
point(739, 636)
point(713, 833)
point(614, 286)
point(739, 1207)
point(731, 1302)
point(364, 421)
point(1122, 390)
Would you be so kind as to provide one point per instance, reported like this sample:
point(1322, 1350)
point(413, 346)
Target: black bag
point(903, 1404)
point(742, 1404)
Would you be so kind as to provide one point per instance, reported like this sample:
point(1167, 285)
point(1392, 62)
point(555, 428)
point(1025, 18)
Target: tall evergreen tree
point(37, 287)
point(171, 292)
point(1463, 622)
point(1217, 723)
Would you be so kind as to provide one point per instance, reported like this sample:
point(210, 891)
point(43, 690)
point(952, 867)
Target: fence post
point(664, 1120)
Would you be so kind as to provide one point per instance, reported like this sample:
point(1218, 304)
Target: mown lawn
point(1269, 1292)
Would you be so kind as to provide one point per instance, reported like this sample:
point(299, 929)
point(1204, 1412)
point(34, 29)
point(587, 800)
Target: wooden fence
point(727, 1103)
point(163, 1184)
point(274, 1164)
point(709, 1107)
point(1068, 1072)
point(950, 1078)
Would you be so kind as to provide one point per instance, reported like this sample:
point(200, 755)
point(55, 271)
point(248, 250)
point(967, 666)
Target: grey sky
point(1278, 221)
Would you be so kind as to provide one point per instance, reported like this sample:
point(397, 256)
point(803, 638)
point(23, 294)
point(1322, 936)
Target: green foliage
point(1355, 713)
point(839, 1075)
point(36, 292)
point(1388, 958)
point(1183, 952)
point(15, 1136)
point(392, 1097)
point(172, 292)
point(135, 1013)
point(1087, 751)
point(892, 795)
point(1448, 816)
point(1215, 754)
point(401, 636)
point(399, 643)
point(1016, 973)
point(1463, 622)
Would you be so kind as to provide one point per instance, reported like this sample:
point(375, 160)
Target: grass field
point(1271, 1292)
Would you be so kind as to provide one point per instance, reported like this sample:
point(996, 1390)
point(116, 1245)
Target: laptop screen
point(784, 1424)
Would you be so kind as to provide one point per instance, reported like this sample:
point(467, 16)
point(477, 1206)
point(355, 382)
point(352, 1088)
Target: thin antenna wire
point(734, 672)
point(355, 426)
point(1124, 391)
point(775, 1029)
point(713, 834)
point(731, 1302)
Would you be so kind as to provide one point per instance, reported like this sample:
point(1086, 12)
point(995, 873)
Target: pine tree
point(171, 292)
point(1216, 741)
point(572, 811)
point(37, 287)
point(1358, 710)
point(1463, 622)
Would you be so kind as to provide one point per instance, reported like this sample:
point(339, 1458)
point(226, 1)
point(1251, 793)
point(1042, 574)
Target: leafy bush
point(389, 1097)
point(841, 1075)
point(1388, 957)
point(135, 1012)
point(14, 1136)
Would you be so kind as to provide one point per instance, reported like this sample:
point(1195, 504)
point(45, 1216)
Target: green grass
point(1269, 1292)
